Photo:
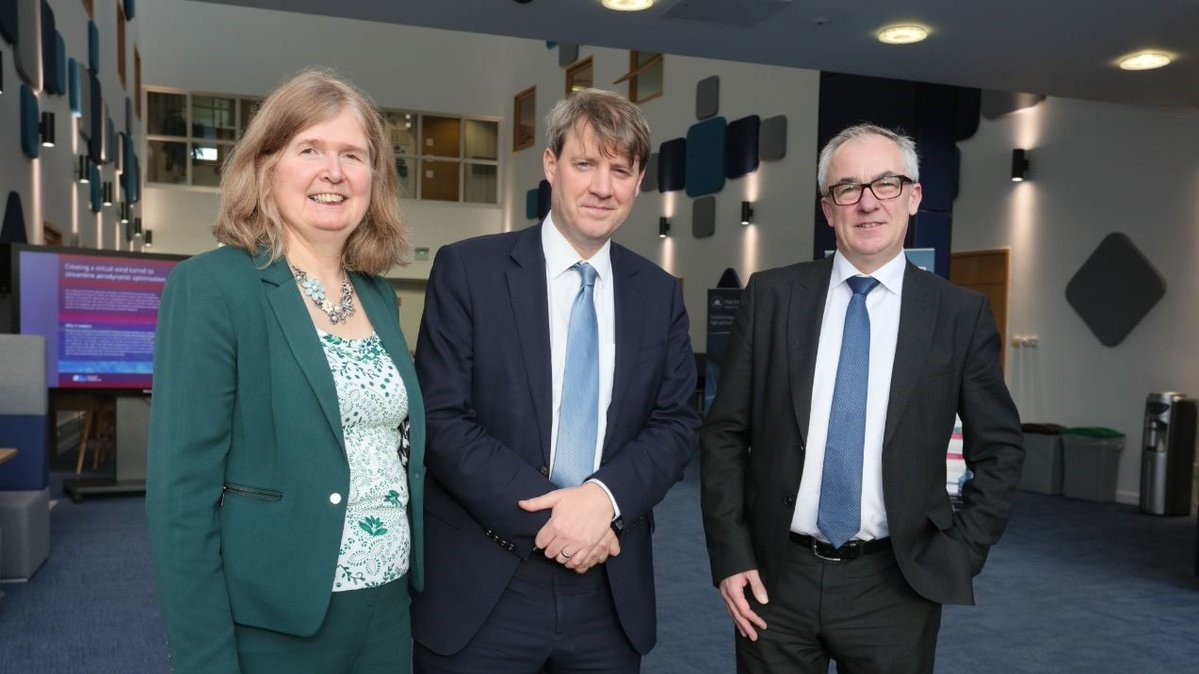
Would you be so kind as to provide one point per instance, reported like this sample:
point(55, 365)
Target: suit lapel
point(530, 313)
point(629, 319)
point(296, 325)
point(917, 322)
point(809, 289)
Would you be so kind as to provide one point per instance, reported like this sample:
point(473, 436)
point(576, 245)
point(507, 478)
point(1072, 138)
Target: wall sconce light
point(46, 129)
point(128, 230)
point(663, 227)
point(1019, 165)
point(106, 192)
point(124, 212)
point(137, 226)
point(148, 238)
point(747, 212)
point(83, 172)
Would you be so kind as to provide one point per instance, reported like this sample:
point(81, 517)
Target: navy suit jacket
point(483, 359)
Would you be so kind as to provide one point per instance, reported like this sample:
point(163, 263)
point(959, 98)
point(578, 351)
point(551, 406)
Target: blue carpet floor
point(1074, 587)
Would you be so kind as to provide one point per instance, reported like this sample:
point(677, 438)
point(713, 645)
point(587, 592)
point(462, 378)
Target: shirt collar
point(890, 275)
point(560, 256)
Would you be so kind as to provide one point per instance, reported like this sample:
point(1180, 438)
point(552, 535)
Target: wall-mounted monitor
point(96, 309)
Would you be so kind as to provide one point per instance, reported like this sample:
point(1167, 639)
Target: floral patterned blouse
point(376, 539)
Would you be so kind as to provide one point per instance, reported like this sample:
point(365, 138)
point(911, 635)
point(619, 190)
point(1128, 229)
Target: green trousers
point(365, 631)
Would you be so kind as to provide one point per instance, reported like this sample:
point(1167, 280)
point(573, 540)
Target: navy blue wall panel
point(8, 21)
point(672, 165)
point(49, 51)
point(741, 147)
point(29, 434)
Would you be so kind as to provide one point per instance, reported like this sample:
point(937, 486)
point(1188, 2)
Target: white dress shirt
point(562, 282)
point(883, 305)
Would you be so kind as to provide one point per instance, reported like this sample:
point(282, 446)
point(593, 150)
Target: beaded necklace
point(337, 313)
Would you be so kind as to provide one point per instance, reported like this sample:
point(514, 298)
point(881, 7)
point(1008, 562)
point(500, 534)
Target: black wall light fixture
point(148, 238)
point(747, 212)
point(106, 191)
point(46, 129)
point(1019, 165)
point(83, 173)
point(124, 212)
point(663, 227)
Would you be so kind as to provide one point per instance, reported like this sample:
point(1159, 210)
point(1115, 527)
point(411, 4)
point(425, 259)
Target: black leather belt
point(851, 550)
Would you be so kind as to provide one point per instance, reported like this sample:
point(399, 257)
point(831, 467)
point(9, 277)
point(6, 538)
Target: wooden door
point(985, 271)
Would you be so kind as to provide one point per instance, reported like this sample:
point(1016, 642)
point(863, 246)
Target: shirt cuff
point(615, 508)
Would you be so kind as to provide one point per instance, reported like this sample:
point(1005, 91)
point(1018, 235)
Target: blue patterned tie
point(840, 513)
point(574, 458)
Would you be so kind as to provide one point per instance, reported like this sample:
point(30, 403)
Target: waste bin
point(1167, 452)
point(1090, 463)
point(1042, 458)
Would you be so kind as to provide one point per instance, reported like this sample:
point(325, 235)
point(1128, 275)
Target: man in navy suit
point(558, 378)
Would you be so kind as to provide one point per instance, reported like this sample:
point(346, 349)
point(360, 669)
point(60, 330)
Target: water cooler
point(1168, 452)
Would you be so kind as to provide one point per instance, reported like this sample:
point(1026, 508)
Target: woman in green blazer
point(286, 460)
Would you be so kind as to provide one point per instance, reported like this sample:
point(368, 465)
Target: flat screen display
point(96, 309)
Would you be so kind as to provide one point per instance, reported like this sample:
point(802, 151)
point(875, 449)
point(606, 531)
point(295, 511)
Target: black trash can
point(1042, 458)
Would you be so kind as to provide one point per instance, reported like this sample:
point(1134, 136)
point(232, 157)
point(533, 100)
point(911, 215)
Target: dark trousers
point(860, 613)
point(550, 620)
point(365, 632)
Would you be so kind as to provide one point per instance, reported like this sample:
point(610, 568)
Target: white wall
point(47, 184)
point(1096, 168)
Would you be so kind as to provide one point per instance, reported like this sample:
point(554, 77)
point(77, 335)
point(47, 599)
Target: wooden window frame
point(528, 97)
point(655, 61)
point(575, 68)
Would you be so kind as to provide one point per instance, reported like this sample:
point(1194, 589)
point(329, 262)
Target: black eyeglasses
point(887, 187)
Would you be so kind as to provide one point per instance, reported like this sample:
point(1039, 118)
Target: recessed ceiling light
point(1145, 60)
point(905, 33)
point(627, 5)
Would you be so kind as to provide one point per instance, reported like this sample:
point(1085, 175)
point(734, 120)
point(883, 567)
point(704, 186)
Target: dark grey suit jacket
point(946, 363)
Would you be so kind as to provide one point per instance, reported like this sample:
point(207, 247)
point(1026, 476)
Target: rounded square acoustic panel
point(29, 123)
point(705, 157)
point(672, 165)
point(1114, 289)
point(772, 138)
point(28, 50)
point(741, 147)
point(707, 97)
point(703, 217)
point(49, 52)
point(649, 180)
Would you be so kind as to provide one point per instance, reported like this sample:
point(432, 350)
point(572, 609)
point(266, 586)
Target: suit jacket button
point(545, 472)
point(335, 498)
point(789, 501)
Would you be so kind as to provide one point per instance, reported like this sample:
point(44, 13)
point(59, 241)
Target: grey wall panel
point(23, 375)
point(707, 97)
point(29, 42)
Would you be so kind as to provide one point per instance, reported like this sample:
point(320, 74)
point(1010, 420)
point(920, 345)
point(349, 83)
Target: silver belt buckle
point(816, 552)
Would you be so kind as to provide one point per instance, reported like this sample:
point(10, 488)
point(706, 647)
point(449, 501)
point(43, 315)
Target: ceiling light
point(904, 33)
point(627, 5)
point(1145, 60)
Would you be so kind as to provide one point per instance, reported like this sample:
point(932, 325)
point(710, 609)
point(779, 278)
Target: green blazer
point(247, 471)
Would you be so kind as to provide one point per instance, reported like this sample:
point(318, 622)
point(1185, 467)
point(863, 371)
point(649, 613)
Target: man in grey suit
point(830, 531)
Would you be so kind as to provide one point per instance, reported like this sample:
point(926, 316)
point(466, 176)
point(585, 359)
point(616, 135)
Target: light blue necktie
point(574, 458)
point(840, 513)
